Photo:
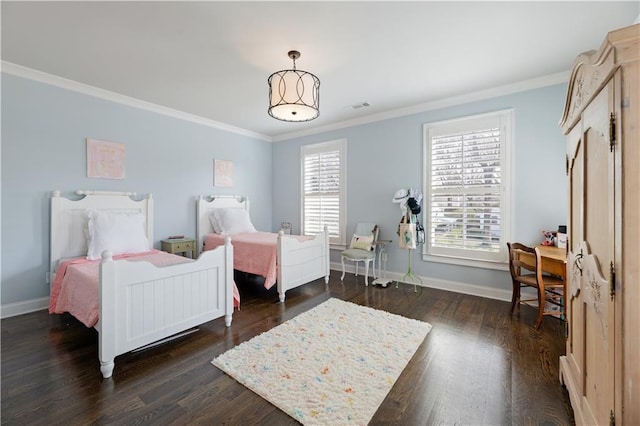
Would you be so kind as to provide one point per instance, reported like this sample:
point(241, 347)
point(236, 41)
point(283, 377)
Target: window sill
point(485, 264)
point(340, 247)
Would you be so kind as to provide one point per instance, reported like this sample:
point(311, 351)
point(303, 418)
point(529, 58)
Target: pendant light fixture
point(294, 95)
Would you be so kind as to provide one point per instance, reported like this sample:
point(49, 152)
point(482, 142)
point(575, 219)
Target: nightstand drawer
point(179, 247)
point(182, 245)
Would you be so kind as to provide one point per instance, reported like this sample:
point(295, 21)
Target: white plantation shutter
point(323, 186)
point(466, 182)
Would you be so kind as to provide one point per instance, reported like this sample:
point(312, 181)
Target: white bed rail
point(300, 262)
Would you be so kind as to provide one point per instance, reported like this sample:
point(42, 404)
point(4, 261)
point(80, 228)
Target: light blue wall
point(43, 148)
point(387, 155)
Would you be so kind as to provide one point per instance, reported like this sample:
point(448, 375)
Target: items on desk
point(555, 238)
point(548, 237)
point(561, 236)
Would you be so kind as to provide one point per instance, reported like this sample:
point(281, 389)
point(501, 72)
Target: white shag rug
point(333, 364)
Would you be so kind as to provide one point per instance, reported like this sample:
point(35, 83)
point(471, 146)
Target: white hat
point(402, 195)
point(416, 193)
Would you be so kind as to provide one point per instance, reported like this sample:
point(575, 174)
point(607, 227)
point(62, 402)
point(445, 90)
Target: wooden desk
point(554, 260)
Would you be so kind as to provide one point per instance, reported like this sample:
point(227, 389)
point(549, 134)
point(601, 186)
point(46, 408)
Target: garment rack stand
point(410, 275)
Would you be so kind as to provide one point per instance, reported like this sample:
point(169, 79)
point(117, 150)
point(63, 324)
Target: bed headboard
point(207, 203)
point(69, 219)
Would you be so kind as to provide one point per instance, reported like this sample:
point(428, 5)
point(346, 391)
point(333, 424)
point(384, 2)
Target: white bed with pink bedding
point(106, 274)
point(286, 260)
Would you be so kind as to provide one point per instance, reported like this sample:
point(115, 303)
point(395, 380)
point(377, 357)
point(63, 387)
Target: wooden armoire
point(601, 118)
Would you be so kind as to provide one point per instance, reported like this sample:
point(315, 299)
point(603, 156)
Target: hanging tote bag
point(407, 230)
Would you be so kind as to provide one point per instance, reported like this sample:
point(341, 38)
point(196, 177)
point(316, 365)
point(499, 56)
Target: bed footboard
point(300, 262)
point(141, 303)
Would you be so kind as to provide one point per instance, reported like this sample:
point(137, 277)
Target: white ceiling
point(212, 59)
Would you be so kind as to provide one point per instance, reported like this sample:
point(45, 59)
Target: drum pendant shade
point(294, 95)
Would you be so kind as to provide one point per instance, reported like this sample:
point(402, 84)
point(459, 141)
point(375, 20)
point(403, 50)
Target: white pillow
point(214, 222)
point(118, 232)
point(233, 221)
point(361, 242)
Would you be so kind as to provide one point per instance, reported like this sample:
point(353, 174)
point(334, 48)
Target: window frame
point(472, 257)
point(341, 146)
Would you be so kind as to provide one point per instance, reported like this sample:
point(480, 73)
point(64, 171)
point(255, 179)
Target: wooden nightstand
point(179, 245)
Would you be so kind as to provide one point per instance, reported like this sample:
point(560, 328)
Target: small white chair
point(362, 249)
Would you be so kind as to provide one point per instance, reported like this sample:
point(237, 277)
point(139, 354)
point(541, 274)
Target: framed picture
point(105, 160)
point(222, 173)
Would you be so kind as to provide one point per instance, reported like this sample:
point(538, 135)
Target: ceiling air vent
point(361, 105)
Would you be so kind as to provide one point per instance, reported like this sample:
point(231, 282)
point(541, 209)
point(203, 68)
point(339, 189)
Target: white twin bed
point(290, 261)
point(136, 302)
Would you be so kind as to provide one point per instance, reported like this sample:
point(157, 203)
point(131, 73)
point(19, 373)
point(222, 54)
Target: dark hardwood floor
point(478, 365)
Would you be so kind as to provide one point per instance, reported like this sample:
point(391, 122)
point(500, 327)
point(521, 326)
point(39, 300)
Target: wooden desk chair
point(549, 288)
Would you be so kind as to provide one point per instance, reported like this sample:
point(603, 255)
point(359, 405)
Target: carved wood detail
point(596, 294)
point(590, 71)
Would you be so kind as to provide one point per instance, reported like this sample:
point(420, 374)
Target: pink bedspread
point(75, 288)
point(253, 252)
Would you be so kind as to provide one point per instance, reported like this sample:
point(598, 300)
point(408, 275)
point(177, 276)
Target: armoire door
point(590, 348)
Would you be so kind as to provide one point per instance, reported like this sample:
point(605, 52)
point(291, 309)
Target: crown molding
point(522, 86)
point(24, 72)
point(64, 83)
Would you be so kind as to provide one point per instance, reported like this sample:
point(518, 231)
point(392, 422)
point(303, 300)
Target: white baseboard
point(32, 305)
point(457, 287)
point(24, 307)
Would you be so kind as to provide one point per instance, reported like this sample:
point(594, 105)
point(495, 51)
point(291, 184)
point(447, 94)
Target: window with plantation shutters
point(466, 182)
point(323, 189)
